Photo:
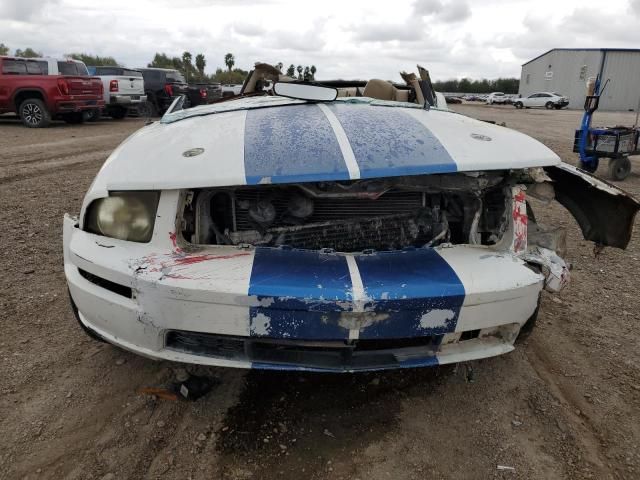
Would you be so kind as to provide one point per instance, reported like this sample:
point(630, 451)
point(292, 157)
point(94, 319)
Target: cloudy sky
point(343, 38)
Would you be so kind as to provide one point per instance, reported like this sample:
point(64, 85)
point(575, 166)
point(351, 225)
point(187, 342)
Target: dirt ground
point(565, 404)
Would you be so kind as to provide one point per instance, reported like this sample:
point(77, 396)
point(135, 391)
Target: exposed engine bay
point(352, 216)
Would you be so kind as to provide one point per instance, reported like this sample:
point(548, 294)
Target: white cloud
point(24, 10)
point(345, 39)
point(455, 12)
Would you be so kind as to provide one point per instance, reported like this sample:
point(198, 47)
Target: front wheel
point(619, 168)
point(549, 105)
point(518, 105)
point(93, 115)
point(34, 113)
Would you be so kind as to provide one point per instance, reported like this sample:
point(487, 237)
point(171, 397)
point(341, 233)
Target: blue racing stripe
point(301, 294)
point(289, 144)
point(417, 289)
point(388, 142)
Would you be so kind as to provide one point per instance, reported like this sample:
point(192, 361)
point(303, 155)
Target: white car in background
point(548, 100)
point(231, 89)
point(497, 97)
point(123, 88)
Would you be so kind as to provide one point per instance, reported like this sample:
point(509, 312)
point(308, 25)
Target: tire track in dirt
point(55, 165)
point(589, 437)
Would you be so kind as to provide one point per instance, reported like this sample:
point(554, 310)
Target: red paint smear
point(174, 241)
point(190, 260)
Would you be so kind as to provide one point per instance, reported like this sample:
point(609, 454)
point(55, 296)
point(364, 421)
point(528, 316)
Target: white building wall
point(623, 90)
point(566, 72)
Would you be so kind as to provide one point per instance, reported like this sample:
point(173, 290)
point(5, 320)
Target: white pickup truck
point(123, 88)
point(231, 89)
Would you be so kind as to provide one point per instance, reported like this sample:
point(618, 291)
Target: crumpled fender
point(604, 212)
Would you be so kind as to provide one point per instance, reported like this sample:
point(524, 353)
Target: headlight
point(123, 215)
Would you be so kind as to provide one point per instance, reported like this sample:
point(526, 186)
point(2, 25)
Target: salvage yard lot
point(565, 404)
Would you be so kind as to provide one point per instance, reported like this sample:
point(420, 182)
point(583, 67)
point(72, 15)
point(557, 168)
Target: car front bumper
point(299, 310)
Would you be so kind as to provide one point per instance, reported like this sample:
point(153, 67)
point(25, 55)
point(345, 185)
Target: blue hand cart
point(615, 143)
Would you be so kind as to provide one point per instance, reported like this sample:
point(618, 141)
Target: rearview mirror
point(305, 91)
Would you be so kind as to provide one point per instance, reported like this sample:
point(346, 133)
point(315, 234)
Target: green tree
point(465, 85)
point(94, 60)
point(307, 74)
point(200, 64)
point(237, 75)
point(4, 50)
point(186, 62)
point(28, 53)
point(161, 60)
point(229, 60)
point(291, 71)
point(299, 69)
point(313, 72)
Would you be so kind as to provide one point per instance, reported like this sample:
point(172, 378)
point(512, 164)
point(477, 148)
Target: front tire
point(518, 105)
point(549, 105)
point(93, 115)
point(619, 168)
point(34, 113)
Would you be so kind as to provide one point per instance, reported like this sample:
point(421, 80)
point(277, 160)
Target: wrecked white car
point(349, 227)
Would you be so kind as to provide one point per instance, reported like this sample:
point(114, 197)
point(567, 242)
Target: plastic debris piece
point(195, 387)
point(162, 393)
point(507, 468)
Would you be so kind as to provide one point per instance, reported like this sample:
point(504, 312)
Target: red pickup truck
point(41, 89)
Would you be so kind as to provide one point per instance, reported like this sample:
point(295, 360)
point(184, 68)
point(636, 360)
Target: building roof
point(583, 49)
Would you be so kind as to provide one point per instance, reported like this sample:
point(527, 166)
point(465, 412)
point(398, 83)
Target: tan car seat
point(380, 89)
point(383, 90)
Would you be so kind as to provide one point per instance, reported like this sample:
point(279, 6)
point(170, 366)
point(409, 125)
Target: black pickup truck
point(162, 85)
point(204, 93)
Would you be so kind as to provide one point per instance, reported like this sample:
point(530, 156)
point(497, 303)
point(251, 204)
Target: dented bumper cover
point(288, 309)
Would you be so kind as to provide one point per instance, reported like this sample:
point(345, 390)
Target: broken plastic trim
point(604, 212)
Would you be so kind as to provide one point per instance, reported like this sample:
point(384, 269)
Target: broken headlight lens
point(123, 215)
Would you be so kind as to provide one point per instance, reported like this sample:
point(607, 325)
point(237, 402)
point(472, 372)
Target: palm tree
point(313, 72)
point(307, 74)
point(279, 66)
point(229, 60)
point(200, 64)
point(186, 61)
point(299, 69)
point(291, 71)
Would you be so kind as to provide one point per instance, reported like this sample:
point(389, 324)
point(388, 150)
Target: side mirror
point(305, 91)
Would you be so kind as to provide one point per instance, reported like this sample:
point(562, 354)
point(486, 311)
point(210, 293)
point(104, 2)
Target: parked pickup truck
point(162, 85)
point(231, 89)
point(204, 93)
point(41, 89)
point(123, 89)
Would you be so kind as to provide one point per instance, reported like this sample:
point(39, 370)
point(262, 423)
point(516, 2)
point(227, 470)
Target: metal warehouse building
point(566, 70)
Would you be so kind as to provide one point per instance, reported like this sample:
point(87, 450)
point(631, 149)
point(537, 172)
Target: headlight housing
point(123, 215)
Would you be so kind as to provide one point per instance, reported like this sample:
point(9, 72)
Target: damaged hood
point(275, 140)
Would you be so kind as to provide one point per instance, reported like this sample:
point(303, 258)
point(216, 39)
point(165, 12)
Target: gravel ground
point(565, 404)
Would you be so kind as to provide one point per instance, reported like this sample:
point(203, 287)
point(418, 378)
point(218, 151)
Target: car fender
point(604, 212)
